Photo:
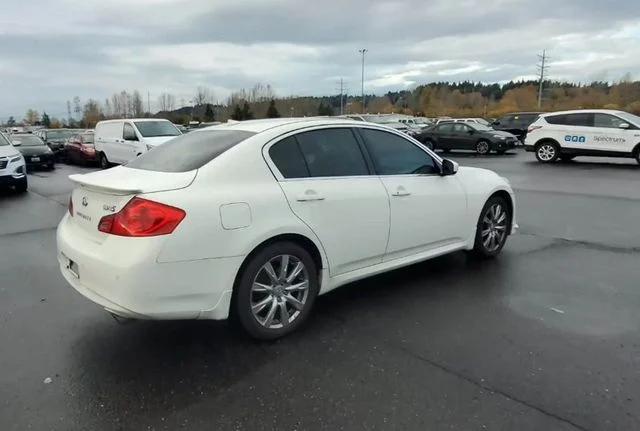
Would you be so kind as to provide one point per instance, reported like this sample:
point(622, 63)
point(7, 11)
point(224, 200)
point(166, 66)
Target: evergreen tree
point(208, 113)
point(246, 112)
point(237, 113)
point(272, 111)
point(11, 121)
point(325, 110)
point(46, 121)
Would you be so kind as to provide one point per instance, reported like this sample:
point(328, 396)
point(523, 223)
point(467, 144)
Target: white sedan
point(257, 218)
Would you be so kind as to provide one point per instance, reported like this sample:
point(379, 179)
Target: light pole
point(363, 51)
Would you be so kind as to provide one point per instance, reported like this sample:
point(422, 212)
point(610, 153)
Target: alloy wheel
point(279, 291)
point(482, 147)
point(494, 227)
point(546, 152)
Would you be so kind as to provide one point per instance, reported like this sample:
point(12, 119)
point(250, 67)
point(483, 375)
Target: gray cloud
point(52, 52)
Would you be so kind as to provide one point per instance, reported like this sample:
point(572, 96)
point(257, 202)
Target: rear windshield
point(153, 129)
point(189, 152)
point(27, 140)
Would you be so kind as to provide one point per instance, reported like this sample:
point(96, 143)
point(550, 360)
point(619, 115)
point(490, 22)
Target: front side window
point(332, 153)
point(460, 128)
point(152, 129)
point(445, 128)
point(128, 134)
point(506, 120)
point(607, 121)
point(393, 155)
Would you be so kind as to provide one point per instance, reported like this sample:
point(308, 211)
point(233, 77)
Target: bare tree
point(167, 102)
point(76, 107)
point(203, 95)
point(32, 117)
point(137, 105)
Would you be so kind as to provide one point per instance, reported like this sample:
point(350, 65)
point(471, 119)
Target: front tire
point(492, 228)
point(276, 290)
point(483, 147)
point(547, 152)
point(637, 155)
point(103, 161)
point(22, 186)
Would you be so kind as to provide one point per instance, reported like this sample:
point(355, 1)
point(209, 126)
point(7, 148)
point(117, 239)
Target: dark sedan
point(34, 150)
point(56, 139)
point(467, 136)
point(79, 149)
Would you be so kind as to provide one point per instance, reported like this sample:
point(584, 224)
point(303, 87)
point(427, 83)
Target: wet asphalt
point(545, 337)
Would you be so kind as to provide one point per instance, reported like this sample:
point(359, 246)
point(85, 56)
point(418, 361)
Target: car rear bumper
point(123, 276)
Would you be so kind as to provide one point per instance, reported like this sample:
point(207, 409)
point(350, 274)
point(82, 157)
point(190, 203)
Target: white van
point(594, 132)
point(118, 141)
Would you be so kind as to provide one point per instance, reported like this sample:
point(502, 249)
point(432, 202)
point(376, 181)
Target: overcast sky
point(52, 50)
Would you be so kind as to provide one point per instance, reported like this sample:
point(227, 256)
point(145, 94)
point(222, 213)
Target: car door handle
point(309, 196)
point(400, 191)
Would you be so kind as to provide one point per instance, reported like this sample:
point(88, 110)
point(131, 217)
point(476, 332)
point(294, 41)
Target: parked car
point(596, 132)
point(119, 141)
point(13, 171)
point(56, 138)
point(465, 120)
point(257, 218)
point(35, 152)
point(80, 149)
point(516, 123)
point(467, 136)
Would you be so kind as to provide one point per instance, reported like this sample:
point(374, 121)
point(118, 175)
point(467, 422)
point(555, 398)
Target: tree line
point(456, 99)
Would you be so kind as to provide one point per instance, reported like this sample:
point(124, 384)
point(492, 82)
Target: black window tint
point(582, 119)
point(556, 119)
point(191, 151)
point(332, 153)
point(393, 155)
point(288, 159)
point(445, 128)
point(460, 128)
point(606, 120)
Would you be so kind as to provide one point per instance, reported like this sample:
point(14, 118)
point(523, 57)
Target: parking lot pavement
point(544, 337)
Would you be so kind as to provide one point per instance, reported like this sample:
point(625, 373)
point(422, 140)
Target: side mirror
point(471, 132)
point(449, 167)
point(624, 125)
point(495, 123)
point(16, 143)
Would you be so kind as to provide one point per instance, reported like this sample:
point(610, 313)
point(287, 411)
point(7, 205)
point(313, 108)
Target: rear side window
point(582, 119)
point(556, 119)
point(188, 152)
point(332, 153)
point(288, 158)
point(393, 155)
point(445, 128)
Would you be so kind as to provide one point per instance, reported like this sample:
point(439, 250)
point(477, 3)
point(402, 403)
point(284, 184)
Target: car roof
point(134, 119)
point(588, 111)
point(258, 126)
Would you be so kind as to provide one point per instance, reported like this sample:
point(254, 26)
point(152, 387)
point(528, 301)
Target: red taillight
point(142, 217)
point(70, 207)
point(532, 128)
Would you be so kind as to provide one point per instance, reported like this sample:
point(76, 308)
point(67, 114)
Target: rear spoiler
point(85, 182)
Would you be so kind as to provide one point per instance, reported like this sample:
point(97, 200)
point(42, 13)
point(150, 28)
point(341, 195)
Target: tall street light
point(363, 51)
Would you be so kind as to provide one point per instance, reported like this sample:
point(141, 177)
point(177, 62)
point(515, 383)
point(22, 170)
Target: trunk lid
point(105, 192)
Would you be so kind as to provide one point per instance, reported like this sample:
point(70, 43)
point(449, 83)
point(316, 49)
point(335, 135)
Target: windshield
point(3, 140)
point(152, 129)
point(482, 121)
point(55, 135)
point(28, 141)
point(630, 118)
point(480, 127)
point(189, 152)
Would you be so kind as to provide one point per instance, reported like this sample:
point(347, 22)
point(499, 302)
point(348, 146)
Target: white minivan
point(118, 141)
point(593, 132)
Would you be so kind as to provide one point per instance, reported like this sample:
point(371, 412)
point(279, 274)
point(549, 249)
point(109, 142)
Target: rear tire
point(483, 147)
point(103, 161)
point(637, 155)
point(275, 291)
point(493, 228)
point(547, 152)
